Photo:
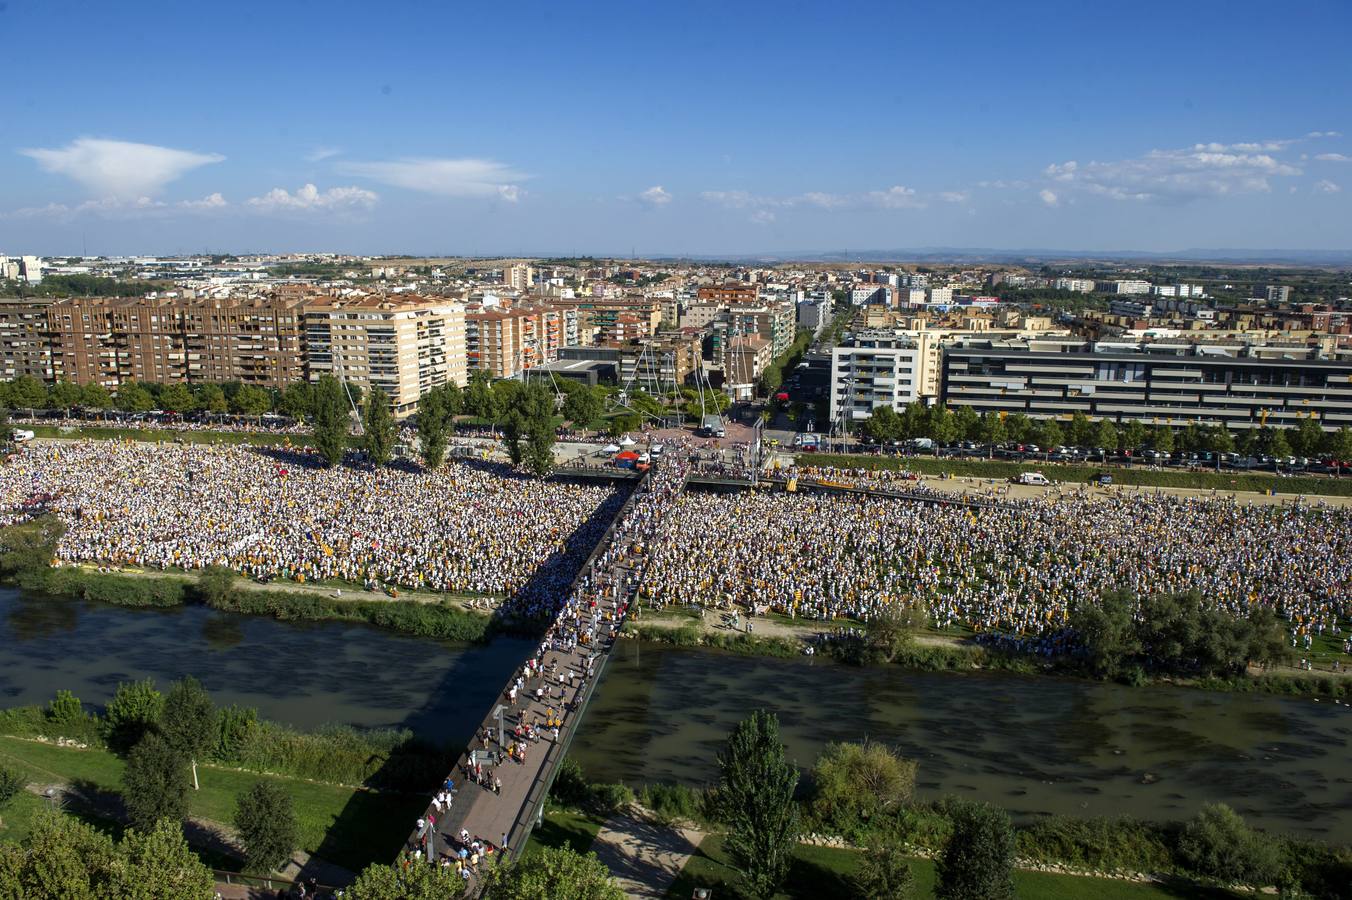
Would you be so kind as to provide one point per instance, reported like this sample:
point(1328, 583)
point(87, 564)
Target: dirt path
point(644, 857)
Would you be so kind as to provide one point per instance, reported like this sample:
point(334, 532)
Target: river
point(1035, 745)
point(305, 674)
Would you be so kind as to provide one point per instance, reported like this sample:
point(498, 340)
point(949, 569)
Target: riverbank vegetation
point(859, 800)
point(1086, 474)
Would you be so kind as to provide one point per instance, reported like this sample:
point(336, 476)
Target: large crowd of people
point(1017, 568)
point(471, 527)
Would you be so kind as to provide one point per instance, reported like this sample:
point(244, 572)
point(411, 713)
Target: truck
point(712, 426)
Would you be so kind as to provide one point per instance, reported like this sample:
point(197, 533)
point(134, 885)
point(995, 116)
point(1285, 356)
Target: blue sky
point(684, 127)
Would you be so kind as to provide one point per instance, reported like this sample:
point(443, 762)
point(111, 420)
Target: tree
point(891, 630)
point(551, 873)
point(1105, 434)
point(407, 879)
point(968, 423)
point(211, 398)
point(27, 549)
point(1019, 427)
point(1306, 438)
point(379, 429)
point(155, 783)
point(884, 874)
point(134, 710)
point(992, 429)
point(1162, 438)
point(977, 863)
point(1273, 442)
point(158, 864)
point(1049, 434)
point(943, 425)
point(267, 828)
point(855, 786)
point(11, 782)
point(1107, 631)
point(27, 392)
point(1219, 844)
point(95, 396)
point(1133, 435)
point(65, 395)
point(583, 408)
point(883, 424)
point(480, 400)
point(177, 398)
point(298, 400)
point(1338, 444)
point(331, 420)
point(754, 798)
point(189, 720)
point(434, 425)
point(251, 401)
point(132, 397)
point(1080, 431)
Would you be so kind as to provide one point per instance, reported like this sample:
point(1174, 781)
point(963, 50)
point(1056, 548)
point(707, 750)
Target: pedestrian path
point(645, 858)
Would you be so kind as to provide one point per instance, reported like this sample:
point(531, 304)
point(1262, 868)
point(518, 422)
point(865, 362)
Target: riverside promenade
point(502, 778)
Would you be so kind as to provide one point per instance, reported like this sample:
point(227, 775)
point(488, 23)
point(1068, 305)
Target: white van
point(1035, 478)
point(21, 436)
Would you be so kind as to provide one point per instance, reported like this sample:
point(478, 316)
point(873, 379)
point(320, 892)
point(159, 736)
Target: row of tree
point(298, 400)
point(945, 426)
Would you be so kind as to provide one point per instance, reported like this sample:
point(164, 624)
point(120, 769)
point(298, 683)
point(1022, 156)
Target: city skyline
point(705, 133)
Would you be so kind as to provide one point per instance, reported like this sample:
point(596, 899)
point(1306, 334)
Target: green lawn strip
point(824, 872)
point(1003, 470)
point(161, 435)
point(565, 828)
point(343, 825)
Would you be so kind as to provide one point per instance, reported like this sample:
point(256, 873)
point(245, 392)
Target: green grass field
point(818, 872)
point(565, 828)
point(1003, 470)
point(160, 435)
point(342, 825)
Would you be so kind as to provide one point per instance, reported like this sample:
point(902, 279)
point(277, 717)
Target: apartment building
point(814, 315)
point(873, 368)
point(1078, 285)
point(111, 340)
point(403, 345)
point(661, 363)
point(1162, 381)
point(732, 293)
point(518, 278)
point(747, 357)
point(25, 348)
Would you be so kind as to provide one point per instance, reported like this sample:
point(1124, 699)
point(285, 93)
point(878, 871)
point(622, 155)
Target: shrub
point(978, 861)
point(609, 799)
point(1218, 844)
point(155, 783)
point(884, 874)
point(65, 709)
point(857, 785)
point(570, 786)
point(1100, 844)
point(671, 803)
point(11, 782)
point(215, 586)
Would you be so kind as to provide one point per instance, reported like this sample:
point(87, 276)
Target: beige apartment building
point(24, 346)
point(403, 345)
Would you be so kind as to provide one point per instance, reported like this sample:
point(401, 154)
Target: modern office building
point(1162, 381)
point(871, 369)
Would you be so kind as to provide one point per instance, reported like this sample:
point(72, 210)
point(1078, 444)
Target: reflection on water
point(305, 674)
point(1033, 745)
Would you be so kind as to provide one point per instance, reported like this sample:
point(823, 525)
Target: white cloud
point(655, 196)
point(955, 196)
point(1048, 197)
point(1333, 157)
point(1203, 170)
point(1016, 185)
point(762, 217)
point(308, 197)
point(113, 208)
point(1324, 186)
point(120, 169)
point(445, 177)
point(895, 197)
point(319, 154)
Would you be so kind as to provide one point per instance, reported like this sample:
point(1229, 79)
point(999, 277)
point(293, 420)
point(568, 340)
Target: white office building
point(873, 368)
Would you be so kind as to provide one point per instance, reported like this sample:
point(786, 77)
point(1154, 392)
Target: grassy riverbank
point(1003, 470)
point(349, 826)
point(949, 652)
point(164, 435)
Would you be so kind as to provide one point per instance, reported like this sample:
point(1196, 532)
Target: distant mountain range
point(1040, 255)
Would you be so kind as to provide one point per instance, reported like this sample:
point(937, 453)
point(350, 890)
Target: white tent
point(610, 448)
point(627, 441)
